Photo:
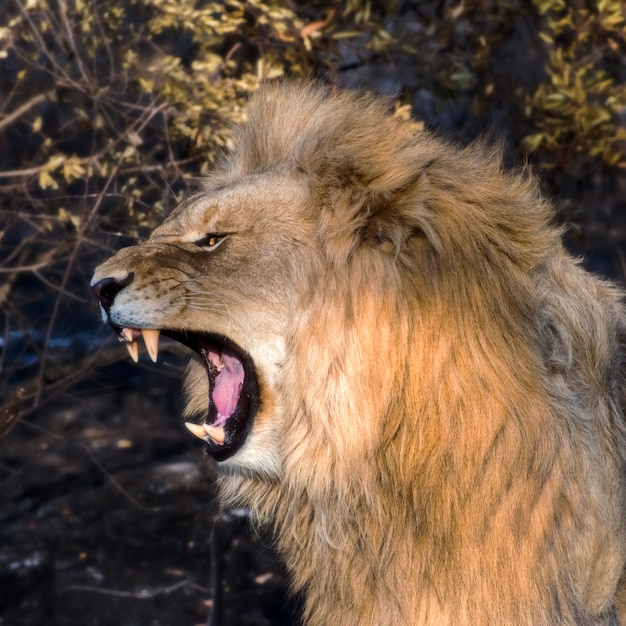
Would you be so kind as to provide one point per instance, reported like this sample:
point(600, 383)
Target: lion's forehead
point(254, 201)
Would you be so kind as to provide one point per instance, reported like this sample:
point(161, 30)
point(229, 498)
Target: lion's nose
point(107, 288)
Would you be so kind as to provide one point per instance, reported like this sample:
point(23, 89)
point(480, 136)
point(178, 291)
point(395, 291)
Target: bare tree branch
point(27, 106)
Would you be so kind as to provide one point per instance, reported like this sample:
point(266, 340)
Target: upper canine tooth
point(133, 350)
point(151, 339)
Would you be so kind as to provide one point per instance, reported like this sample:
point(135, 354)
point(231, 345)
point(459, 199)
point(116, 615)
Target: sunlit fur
point(447, 390)
point(453, 437)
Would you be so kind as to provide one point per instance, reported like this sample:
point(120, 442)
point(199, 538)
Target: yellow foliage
point(577, 108)
point(149, 90)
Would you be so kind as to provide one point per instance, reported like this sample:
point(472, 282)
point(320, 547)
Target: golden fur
point(441, 438)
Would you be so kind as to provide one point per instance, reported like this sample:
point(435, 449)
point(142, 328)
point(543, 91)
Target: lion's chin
point(233, 387)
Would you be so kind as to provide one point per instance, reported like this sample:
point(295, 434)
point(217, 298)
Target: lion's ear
point(383, 211)
point(401, 222)
point(387, 227)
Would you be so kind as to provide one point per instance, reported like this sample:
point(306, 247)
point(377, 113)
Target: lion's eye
point(210, 241)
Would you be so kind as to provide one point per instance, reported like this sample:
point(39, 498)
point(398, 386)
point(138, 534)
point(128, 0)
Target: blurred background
point(108, 111)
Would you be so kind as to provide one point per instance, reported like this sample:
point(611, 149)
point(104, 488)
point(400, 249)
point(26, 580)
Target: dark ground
point(108, 518)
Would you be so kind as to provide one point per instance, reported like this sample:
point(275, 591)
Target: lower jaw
point(255, 461)
point(223, 437)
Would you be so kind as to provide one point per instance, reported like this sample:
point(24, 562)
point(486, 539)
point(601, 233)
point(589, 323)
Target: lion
point(398, 367)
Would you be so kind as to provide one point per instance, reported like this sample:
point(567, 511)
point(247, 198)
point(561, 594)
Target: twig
point(33, 102)
point(66, 276)
point(59, 290)
point(116, 483)
point(36, 35)
point(143, 594)
point(72, 44)
point(29, 171)
point(24, 268)
point(9, 413)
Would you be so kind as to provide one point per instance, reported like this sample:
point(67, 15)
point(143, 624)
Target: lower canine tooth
point(215, 432)
point(133, 350)
point(151, 339)
point(196, 429)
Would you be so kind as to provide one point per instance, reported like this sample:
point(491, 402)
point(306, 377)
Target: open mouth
point(234, 397)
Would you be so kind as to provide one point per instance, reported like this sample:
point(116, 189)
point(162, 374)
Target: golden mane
point(460, 348)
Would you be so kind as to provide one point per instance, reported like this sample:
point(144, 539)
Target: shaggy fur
point(442, 437)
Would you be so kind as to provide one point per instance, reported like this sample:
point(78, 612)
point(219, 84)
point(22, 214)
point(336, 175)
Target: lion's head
point(328, 233)
point(219, 275)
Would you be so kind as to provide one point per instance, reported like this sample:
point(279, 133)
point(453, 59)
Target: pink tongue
point(228, 384)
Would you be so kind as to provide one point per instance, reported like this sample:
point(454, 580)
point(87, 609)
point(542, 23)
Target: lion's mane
point(454, 444)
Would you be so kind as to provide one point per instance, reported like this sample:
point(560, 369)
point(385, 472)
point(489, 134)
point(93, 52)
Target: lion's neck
point(354, 525)
point(398, 474)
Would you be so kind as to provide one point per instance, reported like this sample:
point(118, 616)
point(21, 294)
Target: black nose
point(107, 288)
